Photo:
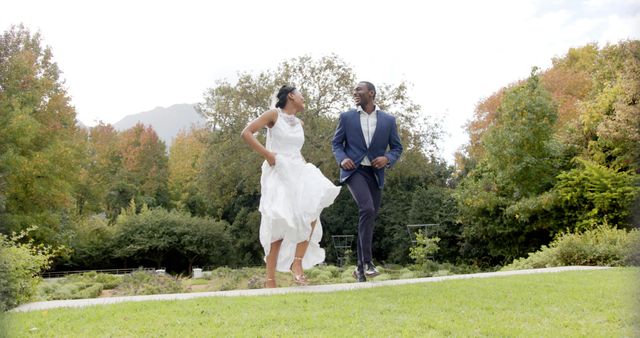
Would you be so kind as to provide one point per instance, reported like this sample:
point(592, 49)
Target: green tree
point(141, 170)
point(146, 236)
point(520, 162)
point(245, 231)
point(99, 171)
point(437, 205)
point(186, 157)
point(203, 241)
point(170, 239)
point(40, 147)
point(519, 145)
point(89, 240)
point(584, 172)
point(619, 133)
point(592, 193)
point(232, 170)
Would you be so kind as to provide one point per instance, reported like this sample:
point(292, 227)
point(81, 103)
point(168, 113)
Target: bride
point(293, 192)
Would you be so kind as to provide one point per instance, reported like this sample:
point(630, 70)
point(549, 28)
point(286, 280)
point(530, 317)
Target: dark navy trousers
point(365, 191)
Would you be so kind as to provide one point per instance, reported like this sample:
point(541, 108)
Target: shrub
point(79, 286)
point(109, 281)
point(593, 192)
point(322, 277)
point(407, 275)
point(347, 279)
point(312, 273)
point(230, 284)
point(381, 278)
point(347, 272)
point(222, 272)
point(255, 282)
point(148, 283)
point(424, 249)
point(602, 246)
point(156, 235)
point(335, 271)
point(20, 266)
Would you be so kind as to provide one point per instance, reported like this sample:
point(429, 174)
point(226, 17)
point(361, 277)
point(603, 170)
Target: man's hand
point(380, 162)
point(347, 164)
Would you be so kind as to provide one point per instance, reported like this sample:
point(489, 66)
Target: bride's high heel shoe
point(300, 280)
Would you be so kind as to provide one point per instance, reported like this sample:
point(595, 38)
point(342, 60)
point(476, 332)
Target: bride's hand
point(271, 159)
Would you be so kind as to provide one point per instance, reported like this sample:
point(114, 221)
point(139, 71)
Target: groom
point(360, 148)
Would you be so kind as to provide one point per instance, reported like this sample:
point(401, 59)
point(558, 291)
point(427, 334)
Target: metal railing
point(342, 245)
point(412, 229)
point(58, 274)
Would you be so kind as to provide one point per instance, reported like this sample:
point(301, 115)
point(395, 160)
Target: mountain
point(81, 125)
point(167, 122)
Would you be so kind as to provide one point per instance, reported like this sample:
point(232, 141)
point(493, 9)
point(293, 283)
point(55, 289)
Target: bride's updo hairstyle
point(283, 95)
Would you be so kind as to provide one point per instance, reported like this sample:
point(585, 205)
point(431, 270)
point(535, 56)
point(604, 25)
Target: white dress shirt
point(368, 124)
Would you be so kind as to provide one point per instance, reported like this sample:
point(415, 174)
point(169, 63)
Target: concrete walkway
point(284, 290)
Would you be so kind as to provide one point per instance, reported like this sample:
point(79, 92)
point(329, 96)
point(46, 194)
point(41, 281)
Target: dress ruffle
point(293, 195)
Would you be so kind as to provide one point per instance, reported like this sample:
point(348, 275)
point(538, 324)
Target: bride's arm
point(267, 119)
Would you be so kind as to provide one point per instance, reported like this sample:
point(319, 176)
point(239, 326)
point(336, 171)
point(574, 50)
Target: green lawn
point(578, 303)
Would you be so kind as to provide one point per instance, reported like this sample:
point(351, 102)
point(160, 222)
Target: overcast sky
point(125, 57)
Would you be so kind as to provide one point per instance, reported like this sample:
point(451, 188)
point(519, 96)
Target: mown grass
point(579, 303)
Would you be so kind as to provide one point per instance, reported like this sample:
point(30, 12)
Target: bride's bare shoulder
point(271, 116)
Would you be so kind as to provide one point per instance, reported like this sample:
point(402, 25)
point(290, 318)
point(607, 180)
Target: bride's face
point(297, 99)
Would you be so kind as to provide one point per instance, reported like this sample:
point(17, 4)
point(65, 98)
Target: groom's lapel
point(378, 124)
point(356, 120)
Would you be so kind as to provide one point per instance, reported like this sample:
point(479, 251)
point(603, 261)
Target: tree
point(99, 171)
point(245, 231)
point(593, 193)
point(40, 147)
point(619, 133)
point(568, 174)
point(90, 241)
point(203, 240)
point(170, 238)
point(519, 163)
point(141, 165)
point(519, 146)
point(150, 235)
point(185, 166)
point(437, 205)
point(230, 181)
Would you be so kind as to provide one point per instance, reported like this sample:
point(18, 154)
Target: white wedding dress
point(293, 193)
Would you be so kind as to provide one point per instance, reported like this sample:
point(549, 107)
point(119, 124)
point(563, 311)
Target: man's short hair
point(370, 86)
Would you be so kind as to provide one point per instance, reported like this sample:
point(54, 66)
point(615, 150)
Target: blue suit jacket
point(348, 141)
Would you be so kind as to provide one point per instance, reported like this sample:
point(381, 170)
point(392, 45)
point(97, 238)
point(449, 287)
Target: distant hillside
point(167, 122)
point(81, 125)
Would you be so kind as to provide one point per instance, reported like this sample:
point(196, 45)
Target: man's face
point(362, 95)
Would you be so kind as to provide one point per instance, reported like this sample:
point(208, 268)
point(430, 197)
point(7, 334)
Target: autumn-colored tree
point(519, 164)
point(568, 81)
point(586, 168)
point(142, 173)
point(186, 157)
point(99, 170)
point(40, 147)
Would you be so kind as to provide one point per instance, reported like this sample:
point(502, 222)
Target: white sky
point(125, 57)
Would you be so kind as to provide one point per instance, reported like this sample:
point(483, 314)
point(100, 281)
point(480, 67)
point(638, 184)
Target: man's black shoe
point(370, 270)
point(359, 275)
